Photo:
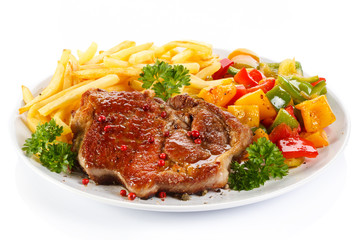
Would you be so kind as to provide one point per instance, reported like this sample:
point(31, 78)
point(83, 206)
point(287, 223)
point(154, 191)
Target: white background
point(323, 35)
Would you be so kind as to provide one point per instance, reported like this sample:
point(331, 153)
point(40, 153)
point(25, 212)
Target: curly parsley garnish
point(56, 156)
point(164, 79)
point(265, 161)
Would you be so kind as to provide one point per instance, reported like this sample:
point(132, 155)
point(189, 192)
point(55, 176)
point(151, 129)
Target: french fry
point(198, 83)
point(64, 114)
point(75, 94)
point(141, 57)
point(27, 95)
point(73, 107)
point(123, 45)
point(67, 77)
point(88, 54)
point(58, 119)
point(182, 56)
point(42, 103)
point(136, 84)
point(205, 63)
point(92, 66)
point(192, 92)
point(76, 80)
point(65, 138)
point(195, 45)
point(54, 86)
point(141, 65)
point(74, 63)
point(118, 88)
point(98, 73)
point(173, 52)
point(126, 53)
point(166, 57)
point(114, 63)
point(192, 67)
point(33, 118)
point(209, 71)
point(32, 123)
point(65, 57)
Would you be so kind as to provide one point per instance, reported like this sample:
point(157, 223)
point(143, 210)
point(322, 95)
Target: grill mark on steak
point(189, 167)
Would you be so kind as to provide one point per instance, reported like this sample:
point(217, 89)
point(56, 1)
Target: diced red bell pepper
point(282, 131)
point(225, 64)
point(266, 85)
point(320, 79)
point(295, 147)
point(240, 91)
point(256, 75)
point(243, 77)
point(290, 110)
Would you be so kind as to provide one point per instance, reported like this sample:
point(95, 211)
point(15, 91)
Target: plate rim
point(179, 208)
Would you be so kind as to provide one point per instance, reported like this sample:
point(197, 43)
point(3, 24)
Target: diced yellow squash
point(318, 138)
point(260, 133)
point(287, 67)
point(247, 114)
point(259, 98)
point(219, 95)
point(294, 162)
point(316, 113)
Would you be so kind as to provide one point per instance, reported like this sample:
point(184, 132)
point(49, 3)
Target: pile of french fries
point(116, 69)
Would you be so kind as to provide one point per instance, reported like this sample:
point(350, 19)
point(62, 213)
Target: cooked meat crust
point(133, 119)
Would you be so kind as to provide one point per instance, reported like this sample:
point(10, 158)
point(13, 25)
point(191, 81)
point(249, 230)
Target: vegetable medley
point(276, 101)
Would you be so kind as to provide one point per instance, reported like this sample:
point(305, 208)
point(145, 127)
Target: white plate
point(338, 134)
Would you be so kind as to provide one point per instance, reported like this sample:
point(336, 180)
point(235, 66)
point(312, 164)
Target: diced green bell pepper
point(293, 91)
point(305, 79)
point(284, 117)
point(233, 71)
point(318, 89)
point(278, 97)
point(302, 86)
point(299, 68)
point(299, 117)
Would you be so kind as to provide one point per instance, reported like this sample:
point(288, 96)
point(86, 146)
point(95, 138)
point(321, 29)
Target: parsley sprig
point(56, 156)
point(164, 79)
point(265, 161)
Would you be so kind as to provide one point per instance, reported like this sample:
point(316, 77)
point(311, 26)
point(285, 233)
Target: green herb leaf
point(164, 79)
point(56, 156)
point(265, 161)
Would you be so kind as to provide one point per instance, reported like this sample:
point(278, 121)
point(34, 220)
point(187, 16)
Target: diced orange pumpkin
point(259, 133)
point(247, 114)
point(294, 162)
point(318, 138)
point(259, 98)
point(219, 95)
point(316, 113)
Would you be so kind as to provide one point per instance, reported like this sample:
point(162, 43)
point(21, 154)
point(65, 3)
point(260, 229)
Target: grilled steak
point(120, 138)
